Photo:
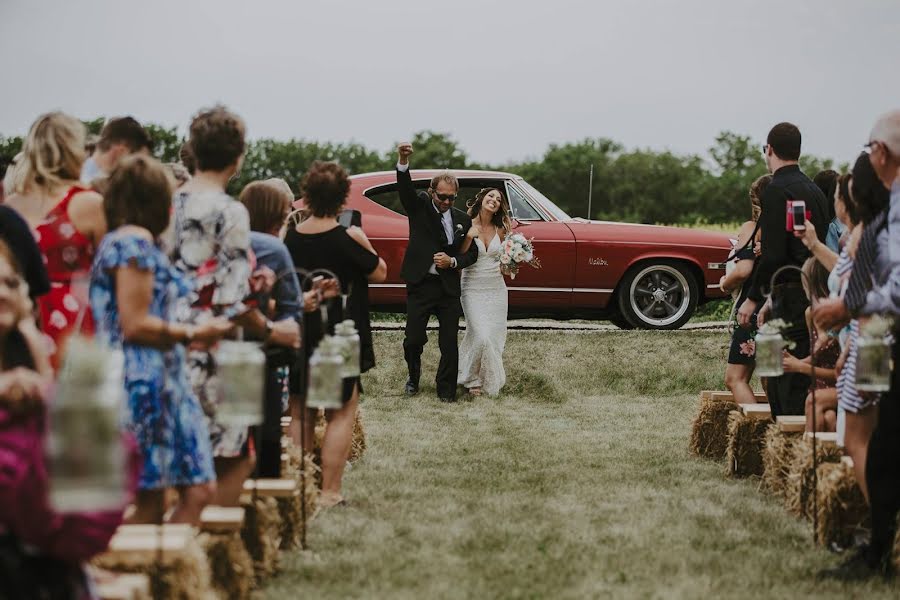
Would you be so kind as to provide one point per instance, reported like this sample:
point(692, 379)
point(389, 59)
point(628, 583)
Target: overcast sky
point(504, 78)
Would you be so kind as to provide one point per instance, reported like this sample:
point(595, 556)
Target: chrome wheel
point(659, 295)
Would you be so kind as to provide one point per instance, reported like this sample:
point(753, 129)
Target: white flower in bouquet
point(519, 255)
point(505, 258)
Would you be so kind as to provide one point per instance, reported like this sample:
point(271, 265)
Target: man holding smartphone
point(789, 201)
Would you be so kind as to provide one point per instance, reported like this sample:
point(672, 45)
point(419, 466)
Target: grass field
point(575, 483)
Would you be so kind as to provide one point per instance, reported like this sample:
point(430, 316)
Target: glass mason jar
point(346, 334)
point(769, 359)
point(241, 370)
point(873, 364)
point(86, 461)
point(326, 387)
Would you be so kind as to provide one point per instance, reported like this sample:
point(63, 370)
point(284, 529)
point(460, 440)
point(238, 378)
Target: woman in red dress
point(67, 220)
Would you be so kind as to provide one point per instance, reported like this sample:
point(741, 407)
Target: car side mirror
point(516, 223)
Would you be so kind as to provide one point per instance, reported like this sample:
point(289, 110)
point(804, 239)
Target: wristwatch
point(452, 262)
point(269, 327)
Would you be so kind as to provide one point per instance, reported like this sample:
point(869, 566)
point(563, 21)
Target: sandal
point(475, 391)
point(330, 500)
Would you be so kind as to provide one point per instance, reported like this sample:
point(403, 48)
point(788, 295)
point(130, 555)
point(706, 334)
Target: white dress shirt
point(446, 221)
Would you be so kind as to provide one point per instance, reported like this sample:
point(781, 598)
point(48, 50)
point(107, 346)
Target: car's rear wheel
point(658, 295)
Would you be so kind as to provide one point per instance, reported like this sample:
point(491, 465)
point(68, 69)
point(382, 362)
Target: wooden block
point(756, 411)
point(826, 438)
point(791, 423)
point(705, 394)
point(221, 519)
point(721, 396)
point(125, 586)
point(847, 461)
point(147, 546)
point(182, 529)
point(273, 488)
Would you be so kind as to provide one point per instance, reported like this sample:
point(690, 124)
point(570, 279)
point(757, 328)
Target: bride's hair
point(501, 217)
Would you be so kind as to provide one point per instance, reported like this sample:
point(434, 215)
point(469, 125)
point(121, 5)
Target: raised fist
point(404, 151)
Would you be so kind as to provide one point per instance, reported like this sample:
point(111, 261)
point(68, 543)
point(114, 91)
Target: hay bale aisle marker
point(231, 565)
point(778, 450)
point(842, 508)
point(709, 431)
point(746, 431)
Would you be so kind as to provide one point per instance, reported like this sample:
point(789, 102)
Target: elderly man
point(874, 288)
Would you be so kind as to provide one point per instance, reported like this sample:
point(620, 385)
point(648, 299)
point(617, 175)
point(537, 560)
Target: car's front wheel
point(658, 295)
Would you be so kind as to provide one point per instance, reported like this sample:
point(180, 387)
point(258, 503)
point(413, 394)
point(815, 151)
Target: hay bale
point(709, 430)
point(358, 446)
point(231, 565)
point(291, 512)
point(181, 575)
point(798, 490)
point(778, 448)
point(262, 535)
point(842, 509)
point(743, 454)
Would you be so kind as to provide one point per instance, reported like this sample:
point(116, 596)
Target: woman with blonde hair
point(67, 219)
point(742, 355)
point(485, 301)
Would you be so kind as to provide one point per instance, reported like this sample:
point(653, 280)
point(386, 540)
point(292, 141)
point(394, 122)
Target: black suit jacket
point(427, 237)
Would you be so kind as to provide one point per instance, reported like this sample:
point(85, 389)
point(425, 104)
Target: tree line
point(643, 186)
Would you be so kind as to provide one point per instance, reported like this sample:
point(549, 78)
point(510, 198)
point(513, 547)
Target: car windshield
point(548, 205)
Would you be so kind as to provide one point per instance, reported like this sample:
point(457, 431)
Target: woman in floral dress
point(67, 220)
point(133, 294)
point(209, 240)
point(742, 355)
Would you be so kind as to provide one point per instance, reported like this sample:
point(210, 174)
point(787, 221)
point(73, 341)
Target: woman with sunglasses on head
point(484, 296)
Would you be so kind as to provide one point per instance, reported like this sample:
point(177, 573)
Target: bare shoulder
point(85, 202)
point(356, 233)
point(745, 232)
point(135, 231)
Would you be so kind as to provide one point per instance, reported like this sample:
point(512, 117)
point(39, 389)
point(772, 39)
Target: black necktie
point(861, 277)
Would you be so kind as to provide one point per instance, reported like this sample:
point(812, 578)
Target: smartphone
point(798, 215)
point(349, 218)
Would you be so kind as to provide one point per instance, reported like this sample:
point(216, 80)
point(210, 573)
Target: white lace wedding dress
point(484, 302)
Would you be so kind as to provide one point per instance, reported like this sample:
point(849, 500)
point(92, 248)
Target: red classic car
point(641, 276)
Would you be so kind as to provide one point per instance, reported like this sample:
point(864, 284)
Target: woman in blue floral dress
point(133, 293)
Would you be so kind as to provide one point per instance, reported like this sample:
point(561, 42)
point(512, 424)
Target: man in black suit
point(431, 270)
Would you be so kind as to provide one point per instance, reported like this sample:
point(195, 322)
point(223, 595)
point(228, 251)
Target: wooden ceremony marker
point(144, 544)
point(221, 519)
point(791, 423)
point(272, 488)
point(725, 396)
point(756, 411)
point(826, 438)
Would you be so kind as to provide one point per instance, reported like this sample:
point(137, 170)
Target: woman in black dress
point(321, 242)
point(742, 355)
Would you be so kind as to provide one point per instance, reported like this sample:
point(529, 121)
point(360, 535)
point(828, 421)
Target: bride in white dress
point(484, 297)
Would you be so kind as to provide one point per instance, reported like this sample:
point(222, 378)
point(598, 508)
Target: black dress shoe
point(859, 566)
point(411, 388)
point(447, 399)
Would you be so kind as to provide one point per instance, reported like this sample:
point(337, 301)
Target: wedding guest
point(780, 248)
point(742, 355)
point(863, 197)
point(133, 292)
point(827, 181)
point(824, 356)
point(874, 288)
point(17, 235)
point(42, 550)
point(320, 242)
point(66, 217)
point(120, 137)
point(209, 240)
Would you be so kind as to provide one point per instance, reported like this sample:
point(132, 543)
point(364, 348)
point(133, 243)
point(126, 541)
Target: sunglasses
point(445, 197)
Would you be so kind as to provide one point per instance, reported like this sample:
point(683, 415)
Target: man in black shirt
point(780, 247)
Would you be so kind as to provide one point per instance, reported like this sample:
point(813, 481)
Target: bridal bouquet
point(515, 251)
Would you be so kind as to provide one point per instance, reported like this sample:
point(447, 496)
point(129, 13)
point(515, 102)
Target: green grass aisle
point(576, 483)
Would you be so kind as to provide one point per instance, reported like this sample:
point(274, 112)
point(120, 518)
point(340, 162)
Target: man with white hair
point(874, 288)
